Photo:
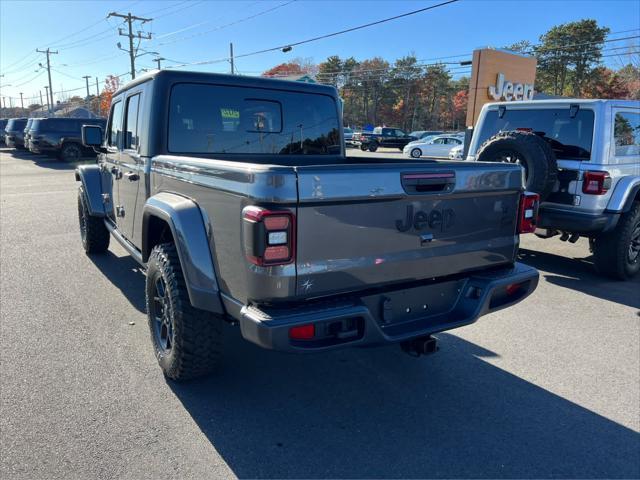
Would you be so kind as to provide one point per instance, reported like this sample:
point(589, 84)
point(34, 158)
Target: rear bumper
point(389, 316)
point(576, 222)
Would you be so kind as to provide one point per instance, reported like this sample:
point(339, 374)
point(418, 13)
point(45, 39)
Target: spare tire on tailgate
point(529, 150)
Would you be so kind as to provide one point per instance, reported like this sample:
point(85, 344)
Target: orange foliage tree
point(111, 84)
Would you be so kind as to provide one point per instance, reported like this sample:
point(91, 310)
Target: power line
point(220, 27)
point(321, 37)
point(129, 19)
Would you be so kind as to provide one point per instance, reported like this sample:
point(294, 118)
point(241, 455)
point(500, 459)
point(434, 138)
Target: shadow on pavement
point(580, 274)
point(379, 413)
point(46, 161)
point(125, 273)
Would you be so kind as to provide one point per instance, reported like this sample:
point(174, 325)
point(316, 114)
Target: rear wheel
point(71, 152)
point(416, 153)
point(187, 341)
point(93, 232)
point(617, 253)
point(373, 147)
point(363, 147)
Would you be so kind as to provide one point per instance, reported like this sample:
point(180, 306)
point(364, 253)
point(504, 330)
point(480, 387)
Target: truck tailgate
point(361, 226)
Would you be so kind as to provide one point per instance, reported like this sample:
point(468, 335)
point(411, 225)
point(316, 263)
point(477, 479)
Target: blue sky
point(192, 31)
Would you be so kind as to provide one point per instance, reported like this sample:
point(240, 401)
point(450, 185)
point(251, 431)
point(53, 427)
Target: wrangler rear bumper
point(390, 316)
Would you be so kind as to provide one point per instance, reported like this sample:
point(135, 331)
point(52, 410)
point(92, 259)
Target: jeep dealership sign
point(499, 76)
point(509, 91)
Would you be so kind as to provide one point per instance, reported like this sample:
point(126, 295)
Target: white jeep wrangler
point(583, 158)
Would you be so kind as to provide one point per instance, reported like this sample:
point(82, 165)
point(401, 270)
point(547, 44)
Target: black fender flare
point(91, 178)
point(190, 233)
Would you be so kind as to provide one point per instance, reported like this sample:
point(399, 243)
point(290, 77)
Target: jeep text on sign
point(498, 75)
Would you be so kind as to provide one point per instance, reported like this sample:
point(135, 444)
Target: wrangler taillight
point(269, 236)
point(596, 183)
point(528, 213)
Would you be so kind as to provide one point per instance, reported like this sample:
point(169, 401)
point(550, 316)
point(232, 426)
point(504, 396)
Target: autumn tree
point(297, 66)
point(605, 83)
point(111, 85)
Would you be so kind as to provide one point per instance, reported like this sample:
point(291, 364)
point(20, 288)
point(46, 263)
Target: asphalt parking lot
point(549, 388)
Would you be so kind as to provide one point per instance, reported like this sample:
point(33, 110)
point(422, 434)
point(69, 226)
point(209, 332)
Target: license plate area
point(418, 305)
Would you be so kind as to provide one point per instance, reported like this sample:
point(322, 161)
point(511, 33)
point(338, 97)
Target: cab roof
point(175, 76)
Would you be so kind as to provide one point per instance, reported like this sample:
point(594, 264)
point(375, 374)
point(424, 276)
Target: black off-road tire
point(363, 147)
point(612, 251)
point(196, 343)
point(70, 152)
point(93, 232)
point(373, 147)
point(531, 151)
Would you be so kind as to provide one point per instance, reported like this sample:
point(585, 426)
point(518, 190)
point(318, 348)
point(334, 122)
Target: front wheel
point(617, 253)
point(93, 232)
point(373, 147)
point(187, 341)
point(416, 153)
point(363, 147)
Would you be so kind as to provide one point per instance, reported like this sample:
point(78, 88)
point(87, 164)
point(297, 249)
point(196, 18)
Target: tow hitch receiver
point(420, 346)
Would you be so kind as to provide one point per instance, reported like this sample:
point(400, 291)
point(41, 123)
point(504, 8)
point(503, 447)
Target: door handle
point(132, 176)
point(117, 173)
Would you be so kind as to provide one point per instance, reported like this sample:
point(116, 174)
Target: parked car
point(27, 132)
point(265, 223)
point(348, 137)
point(61, 137)
point(421, 134)
point(14, 132)
point(433, 147)
point(3, 125)
point(456, 152)
point(583, 158)
point(386, 137)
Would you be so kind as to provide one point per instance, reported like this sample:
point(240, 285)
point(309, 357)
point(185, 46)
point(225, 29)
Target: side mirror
point(91, 136)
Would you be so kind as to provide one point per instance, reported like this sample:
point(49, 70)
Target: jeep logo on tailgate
point(434, 220)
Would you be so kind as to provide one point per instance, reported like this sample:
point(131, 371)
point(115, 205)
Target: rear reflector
point(596, 183)
point(303, 332)
point(528, 217)
point(514, 288)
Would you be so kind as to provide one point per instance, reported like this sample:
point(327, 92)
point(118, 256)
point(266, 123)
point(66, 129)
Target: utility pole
point(159, 59)
point(41, 104)
point(87, 77)
point(139, 35)
point(21, 101)
point(233, 72)
point(48, 52)
point(97, 89)
point(46, 91)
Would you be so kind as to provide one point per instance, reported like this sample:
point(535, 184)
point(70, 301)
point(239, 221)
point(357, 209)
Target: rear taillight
point(596, 183)
point(528, 213)
point(269, 236)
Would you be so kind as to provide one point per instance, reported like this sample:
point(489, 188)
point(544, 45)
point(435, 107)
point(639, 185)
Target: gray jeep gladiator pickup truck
point(235, 195)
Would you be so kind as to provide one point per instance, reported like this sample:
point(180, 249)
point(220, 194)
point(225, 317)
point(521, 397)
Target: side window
point(626, 132)
point(439, 141)
point(115, 124)
point(400, 133)
point(131, 129)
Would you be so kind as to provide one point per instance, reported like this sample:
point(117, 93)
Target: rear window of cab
point(240, 120)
